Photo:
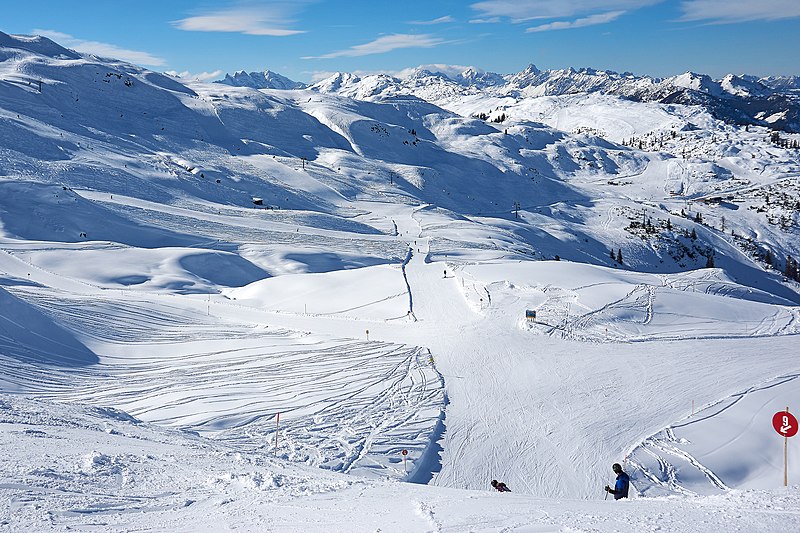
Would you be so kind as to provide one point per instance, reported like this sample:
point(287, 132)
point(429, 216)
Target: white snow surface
point(177, 356)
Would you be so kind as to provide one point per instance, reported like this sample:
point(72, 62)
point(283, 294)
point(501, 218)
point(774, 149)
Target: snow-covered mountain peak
point(479, 78)
point(261, 80)
point(531, 69)
point(742, 86)
point(336, 82)
point(38, 45)
point(423, 73)
point(696, 82)
point(784, 83)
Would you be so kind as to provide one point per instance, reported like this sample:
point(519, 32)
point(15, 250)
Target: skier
point(620, 489)
point(500, 486)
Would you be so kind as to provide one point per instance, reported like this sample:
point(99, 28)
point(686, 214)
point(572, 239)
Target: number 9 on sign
point(785, 423)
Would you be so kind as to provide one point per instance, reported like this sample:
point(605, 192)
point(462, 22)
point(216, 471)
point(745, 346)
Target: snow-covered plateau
point(350, 306)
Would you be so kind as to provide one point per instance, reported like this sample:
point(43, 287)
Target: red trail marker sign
point(785, 424)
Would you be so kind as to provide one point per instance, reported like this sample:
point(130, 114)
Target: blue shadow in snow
point(30, 336)
point(430, 463)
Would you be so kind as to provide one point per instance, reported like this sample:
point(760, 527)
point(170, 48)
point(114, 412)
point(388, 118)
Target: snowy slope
point(186, 262)
point(120, 474)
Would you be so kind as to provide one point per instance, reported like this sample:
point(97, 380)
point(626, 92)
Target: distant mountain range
point(770, 101)
point(261, 80)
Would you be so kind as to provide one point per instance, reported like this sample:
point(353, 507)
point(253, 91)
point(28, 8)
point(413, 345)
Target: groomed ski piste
point(177, 357)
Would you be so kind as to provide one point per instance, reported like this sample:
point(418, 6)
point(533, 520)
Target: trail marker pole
point(277, 421)
point(405, 466)
point(367, 334)
point(785, 424)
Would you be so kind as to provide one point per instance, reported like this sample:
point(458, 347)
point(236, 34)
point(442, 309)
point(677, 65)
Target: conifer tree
point(791, 268)
point(619, 256)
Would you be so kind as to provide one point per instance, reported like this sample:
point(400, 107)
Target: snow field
point(376, 301)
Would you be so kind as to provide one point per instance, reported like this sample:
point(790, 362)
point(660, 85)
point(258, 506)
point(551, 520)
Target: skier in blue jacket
point(620, 489)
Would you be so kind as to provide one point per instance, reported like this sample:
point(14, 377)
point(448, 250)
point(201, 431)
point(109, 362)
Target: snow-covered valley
point(225, 307)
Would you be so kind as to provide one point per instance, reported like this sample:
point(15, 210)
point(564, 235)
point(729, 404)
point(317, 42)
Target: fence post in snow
point(277, 421)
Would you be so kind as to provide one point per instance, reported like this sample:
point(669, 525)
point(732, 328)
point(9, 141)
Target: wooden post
point(786, 459)
point(277, 421)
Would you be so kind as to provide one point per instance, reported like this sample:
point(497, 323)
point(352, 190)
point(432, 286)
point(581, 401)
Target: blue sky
point(307, 39)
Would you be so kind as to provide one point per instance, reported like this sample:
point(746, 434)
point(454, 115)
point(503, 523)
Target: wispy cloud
point(195, 76)
point(440, 20)
point(272, 18)
point(524, 10)
point(384, 44)
point(490, 20)
point(731, 11)
point(102, 49)
point(601, 18)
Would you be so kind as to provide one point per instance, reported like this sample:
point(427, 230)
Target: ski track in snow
point(676, 466)
point(345, 405)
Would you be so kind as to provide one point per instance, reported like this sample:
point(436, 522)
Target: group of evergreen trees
point(497, 120)
point(775, 138)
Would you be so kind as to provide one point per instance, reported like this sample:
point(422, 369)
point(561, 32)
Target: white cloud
point(196, 76)
point(272, 19)
point(385, 44)
point(102, 49)
point(440, 20)
point(730, 11)
point(490, 20)
point(601, 18)
point(523, 10)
